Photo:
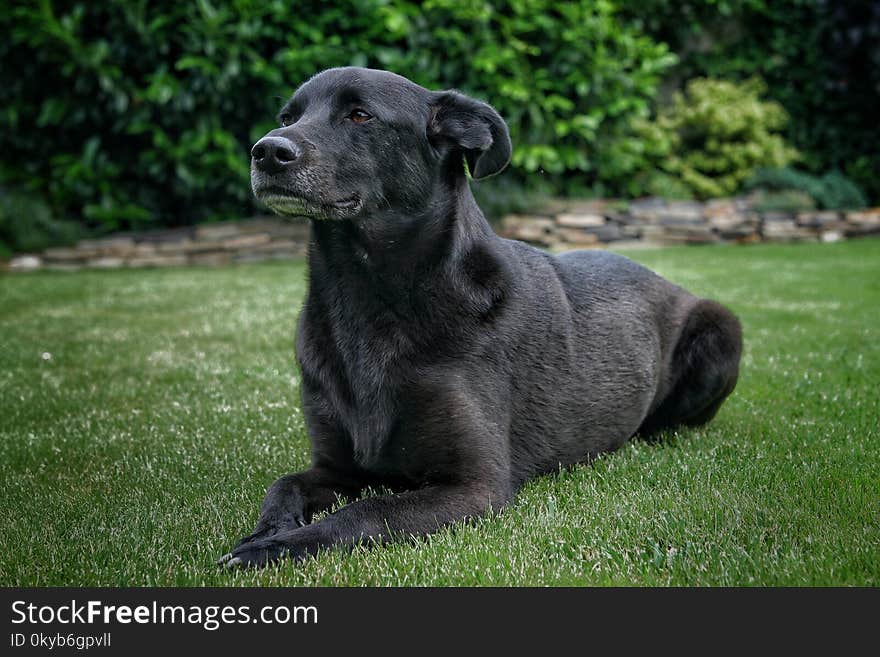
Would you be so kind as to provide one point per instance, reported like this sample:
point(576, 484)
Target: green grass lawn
point(143, 414)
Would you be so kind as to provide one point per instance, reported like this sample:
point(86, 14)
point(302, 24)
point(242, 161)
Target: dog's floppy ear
point(472, 127)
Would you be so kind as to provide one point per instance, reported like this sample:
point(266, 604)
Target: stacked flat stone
point(656, 222)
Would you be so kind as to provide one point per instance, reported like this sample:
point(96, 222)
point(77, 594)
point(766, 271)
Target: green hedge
point(132, 114)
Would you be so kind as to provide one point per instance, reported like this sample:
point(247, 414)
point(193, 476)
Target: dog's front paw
point(283, 510)
point(255, 554)
point(264, 551)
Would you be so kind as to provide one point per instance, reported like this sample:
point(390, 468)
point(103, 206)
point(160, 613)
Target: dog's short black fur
point(439, 360)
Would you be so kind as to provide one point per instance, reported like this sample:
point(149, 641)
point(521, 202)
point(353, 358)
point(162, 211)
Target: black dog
point(439, 360)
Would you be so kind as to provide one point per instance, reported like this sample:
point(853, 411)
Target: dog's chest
point(360, 373)
point(369, 416)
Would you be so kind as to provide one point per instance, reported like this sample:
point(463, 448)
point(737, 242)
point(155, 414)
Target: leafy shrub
point(840, 193)
point(779, 179)
point(134, 114)
point(832, 191)
point(710, 139)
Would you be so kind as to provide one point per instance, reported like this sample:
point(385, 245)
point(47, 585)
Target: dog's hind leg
point(704, 369)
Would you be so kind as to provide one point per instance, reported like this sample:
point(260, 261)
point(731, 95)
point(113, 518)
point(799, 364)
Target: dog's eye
point(359, 116)
point(286, 120)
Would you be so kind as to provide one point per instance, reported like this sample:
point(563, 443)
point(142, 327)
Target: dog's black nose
point(272, 154)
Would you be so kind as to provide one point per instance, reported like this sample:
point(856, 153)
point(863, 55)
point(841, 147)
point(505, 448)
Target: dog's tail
point(705, 364)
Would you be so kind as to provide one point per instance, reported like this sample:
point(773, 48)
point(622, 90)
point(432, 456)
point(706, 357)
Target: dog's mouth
point(286, 202)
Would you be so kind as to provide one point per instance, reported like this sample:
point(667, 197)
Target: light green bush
point(705, 143)
point(720, 132)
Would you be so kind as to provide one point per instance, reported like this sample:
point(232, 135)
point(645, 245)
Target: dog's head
point(355, 141)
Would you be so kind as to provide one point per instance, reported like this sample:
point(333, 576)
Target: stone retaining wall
point(561, 225)
point(572, 225)
point(262, 238)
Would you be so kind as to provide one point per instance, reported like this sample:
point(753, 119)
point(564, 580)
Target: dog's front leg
point(294, 499)
point(403, 515)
